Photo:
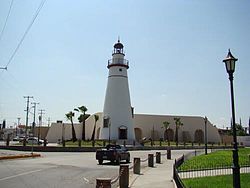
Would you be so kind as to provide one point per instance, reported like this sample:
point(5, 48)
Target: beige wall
point(190, 125)
point(144, 124)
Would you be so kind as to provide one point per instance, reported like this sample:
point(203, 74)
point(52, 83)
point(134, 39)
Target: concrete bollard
point(150, 160)
point(137, 166)
point(168, 153)
point(124, 176)
point(103, 183)
point(158, 157)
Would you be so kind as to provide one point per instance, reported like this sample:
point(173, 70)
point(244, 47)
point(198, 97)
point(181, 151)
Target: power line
point(6, 20)
point(26, 32)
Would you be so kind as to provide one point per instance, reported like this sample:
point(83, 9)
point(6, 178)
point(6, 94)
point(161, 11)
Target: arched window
point(123, 132)
point(138, 134)
point(199, 136)
point(169, 135)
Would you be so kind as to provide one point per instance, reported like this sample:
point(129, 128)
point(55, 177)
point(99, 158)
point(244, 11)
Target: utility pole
point(48, 122)
point(27, 114)
point(40, 122)
point(34, 117)
point(18, 123)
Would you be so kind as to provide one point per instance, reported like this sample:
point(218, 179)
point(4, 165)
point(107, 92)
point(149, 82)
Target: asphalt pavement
point(80, 169)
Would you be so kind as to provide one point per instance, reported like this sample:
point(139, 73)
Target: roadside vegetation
point(221, 158)
point(215, 160)
point(216, 181)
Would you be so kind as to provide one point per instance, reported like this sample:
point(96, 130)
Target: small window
point(120, 70)
point(106, 122)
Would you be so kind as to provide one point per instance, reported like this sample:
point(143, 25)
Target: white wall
point(145, 123)
point(244, 139)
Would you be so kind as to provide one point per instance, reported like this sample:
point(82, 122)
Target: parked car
point(19, 138)
point(16, 138)
point(113, 153)
point(34, 140)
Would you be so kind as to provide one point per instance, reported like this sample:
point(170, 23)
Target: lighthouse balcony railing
point(123, 62)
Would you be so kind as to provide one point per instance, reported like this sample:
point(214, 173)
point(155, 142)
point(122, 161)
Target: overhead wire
point(6, 20)
point(26, 32)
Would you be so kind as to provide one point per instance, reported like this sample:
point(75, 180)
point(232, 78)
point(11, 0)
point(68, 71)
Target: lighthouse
point(117, 112)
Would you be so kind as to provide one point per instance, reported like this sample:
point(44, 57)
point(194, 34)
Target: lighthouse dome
point(118, 45)
point(118, 48)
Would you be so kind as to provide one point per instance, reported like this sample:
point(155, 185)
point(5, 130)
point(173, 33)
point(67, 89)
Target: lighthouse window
point(120, 70)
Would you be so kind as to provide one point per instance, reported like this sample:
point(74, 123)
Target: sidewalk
point(161, 175)
point(8, 154)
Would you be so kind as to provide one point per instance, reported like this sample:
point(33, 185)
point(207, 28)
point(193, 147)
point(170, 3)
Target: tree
point(239, 130)
point(166, 125)
point(93, 134)
point(178, 124)
point(70, 116)
point(82, 118)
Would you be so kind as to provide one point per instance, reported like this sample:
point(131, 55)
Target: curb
point(20, 156)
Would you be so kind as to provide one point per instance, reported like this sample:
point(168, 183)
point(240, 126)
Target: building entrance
point(123, 133)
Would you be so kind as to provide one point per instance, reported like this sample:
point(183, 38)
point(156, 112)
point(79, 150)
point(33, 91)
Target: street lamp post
point(205, 120)
point(230, 67)
point(109, 123)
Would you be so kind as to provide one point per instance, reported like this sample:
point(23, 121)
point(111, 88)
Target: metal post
point(150, 160)
point(158, 157)
point(168, 153)
point(124, 176)
point(235, 167)
point(205, 119)
point(103, 183)
point(109, 130)
point(137, 166)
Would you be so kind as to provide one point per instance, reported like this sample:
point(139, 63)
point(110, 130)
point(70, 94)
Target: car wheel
point(100, 162)
point(118, 161)
point(128, 160)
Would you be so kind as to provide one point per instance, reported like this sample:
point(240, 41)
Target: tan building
point(145, 126)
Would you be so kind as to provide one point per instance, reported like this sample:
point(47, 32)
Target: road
point(61, 170)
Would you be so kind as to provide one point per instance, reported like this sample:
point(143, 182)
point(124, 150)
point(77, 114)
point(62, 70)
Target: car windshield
point(113, 147)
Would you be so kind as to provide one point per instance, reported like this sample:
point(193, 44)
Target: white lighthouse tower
point(117, 112)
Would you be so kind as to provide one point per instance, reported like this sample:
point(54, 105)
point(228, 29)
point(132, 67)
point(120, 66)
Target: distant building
point(145, 126)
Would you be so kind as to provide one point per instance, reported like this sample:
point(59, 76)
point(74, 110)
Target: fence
point(194, 171)
point(176, 177)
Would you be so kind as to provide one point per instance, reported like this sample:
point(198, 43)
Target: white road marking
point(85, 179)
point(25, 173)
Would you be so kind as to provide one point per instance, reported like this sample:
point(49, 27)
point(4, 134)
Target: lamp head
point(230, 62)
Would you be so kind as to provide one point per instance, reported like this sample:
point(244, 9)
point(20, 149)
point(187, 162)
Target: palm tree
point(166, 125)
point(93, 134)
point(82, 118)
point(70, 116)
point(178, 124)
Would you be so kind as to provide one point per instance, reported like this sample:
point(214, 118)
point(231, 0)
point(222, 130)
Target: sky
point(175, 50)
